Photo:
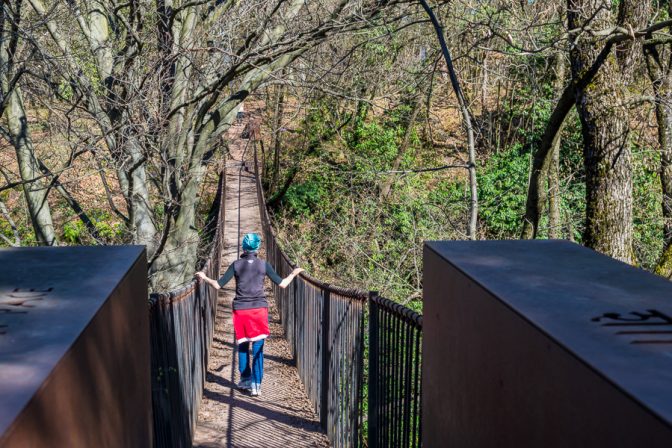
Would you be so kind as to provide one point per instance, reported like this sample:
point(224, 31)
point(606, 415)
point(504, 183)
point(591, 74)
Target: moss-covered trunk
point(659, 70)
point(605, 125)
point(35, 187)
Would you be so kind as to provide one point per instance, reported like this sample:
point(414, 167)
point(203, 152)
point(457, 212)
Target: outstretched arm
point(228, 275)
point(281, 282)
point(287, 280)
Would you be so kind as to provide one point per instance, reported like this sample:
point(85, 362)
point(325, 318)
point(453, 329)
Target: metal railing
point(342, 371)
point(394, 388)
point(182, 325)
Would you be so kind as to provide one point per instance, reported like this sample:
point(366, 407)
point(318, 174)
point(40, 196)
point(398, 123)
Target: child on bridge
point(250, 308)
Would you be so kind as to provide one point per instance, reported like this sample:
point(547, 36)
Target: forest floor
point(282, 416)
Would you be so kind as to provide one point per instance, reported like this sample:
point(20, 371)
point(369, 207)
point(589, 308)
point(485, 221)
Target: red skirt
point(250, 325)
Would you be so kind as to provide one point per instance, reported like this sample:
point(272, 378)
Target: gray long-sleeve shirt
point(249, 272)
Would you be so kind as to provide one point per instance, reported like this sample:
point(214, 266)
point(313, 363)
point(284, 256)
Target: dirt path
point(281, 416)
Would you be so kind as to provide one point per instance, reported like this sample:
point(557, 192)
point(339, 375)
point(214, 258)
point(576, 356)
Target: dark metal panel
point(514, 357)
point(74, 356)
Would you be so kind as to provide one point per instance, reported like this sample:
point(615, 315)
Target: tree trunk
point(35, 187)
point(663, 95)
point(15, 231)
point(484, 88)
point(177, 261)
point(554, 220)
point(36, 192)
point(277, 140)
point(141, 214)
point(659, 69)
point(387, 184)
point(536, 194)
point(179, 255)
point(466, 122)
point(605, 128)
point(554, 217)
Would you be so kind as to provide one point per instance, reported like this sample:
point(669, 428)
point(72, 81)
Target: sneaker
point(255, 390)
point(245, 384)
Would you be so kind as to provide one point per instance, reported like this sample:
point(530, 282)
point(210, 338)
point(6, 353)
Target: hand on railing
point(287, 280)
point(200, 275)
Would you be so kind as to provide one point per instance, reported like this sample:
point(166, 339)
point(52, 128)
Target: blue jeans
point(255, 372)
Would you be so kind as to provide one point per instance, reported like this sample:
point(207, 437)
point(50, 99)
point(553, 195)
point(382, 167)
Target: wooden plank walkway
point(281, 416)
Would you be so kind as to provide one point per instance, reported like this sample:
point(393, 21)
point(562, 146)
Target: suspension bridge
point(333, 376)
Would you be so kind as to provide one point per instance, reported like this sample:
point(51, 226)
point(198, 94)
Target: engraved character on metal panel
point(652, 327)
point(24, 298)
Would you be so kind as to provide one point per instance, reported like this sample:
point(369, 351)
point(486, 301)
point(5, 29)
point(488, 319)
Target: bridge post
point(326, 356)
point(373, 371)
point(294, 340)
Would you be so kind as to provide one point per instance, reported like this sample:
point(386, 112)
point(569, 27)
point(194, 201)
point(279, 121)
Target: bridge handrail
point(182, 325)
point(399, 310)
